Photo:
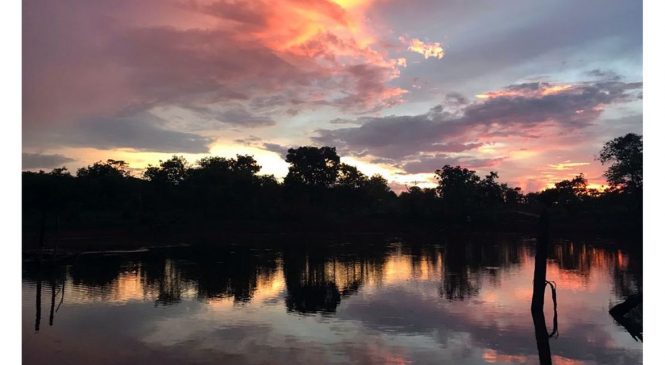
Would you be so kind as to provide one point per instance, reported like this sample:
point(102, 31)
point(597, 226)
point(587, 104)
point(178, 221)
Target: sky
point(530, 89)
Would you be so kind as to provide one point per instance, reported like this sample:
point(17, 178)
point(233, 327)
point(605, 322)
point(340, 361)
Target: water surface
point(382, 303)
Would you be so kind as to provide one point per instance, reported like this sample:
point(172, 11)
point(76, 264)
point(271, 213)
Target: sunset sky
point(531, 89)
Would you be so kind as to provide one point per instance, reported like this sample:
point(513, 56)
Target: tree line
point(320, 188)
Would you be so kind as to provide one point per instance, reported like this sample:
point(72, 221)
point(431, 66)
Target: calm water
point(348, 303)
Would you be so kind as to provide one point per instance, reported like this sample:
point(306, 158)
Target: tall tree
point(109, 169)
point(312, 166)
point(459, 189)
point(457, 182)
point(245, 165)
point(350, 177)
point(170, 172)
point(624, 155)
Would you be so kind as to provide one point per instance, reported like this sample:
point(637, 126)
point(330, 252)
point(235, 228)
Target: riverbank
point(65, 244)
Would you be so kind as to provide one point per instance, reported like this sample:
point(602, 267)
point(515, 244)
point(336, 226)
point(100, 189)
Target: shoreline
point(104, 242)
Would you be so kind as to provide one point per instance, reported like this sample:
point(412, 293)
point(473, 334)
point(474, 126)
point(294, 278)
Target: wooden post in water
point(38, 303)
point(539, 284)
point(62, 295)
point(540, 267)
point(50, 318)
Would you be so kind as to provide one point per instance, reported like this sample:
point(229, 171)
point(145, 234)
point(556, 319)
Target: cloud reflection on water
point(386, 304)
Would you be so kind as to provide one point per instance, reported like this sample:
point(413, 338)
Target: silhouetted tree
point(349, 177)
point(456, 182)
point(566, 193)
point(323, 192)
point(490, 190)
point(227, 187)
point(170, 172)
point(459, 190)
point(109, 169)
point(377, 186)
point(379, 194)
point(312, 166)
point(47, 197)
point(245, 165)
point(513, 196)
point(624, 154)
point(215, 165)
point(106, 187)
point(417, 203)
point(572, 190)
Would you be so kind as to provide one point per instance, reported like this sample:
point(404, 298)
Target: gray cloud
point(344, 121)
point(428, 164)
point(487, 45)
point(279, 149)
point(455, 99)
point(235, 115)
point(40, 160)
point(516, 110)
point(249, 140)
point(268, 146)
point(140, 131)
point(97, 61)
point(240, 116)
point(608, 75)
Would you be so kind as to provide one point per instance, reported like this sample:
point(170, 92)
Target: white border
point(654, 139)
point(654, 175)
point(10, 198)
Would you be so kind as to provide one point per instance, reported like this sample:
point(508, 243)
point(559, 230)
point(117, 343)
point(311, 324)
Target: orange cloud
point(332, 39)
point(492, 356)
point(560, 360)
point(332, 32)
point(567, 165)
point(203, 53)
point(428, 50)
point(554, 89)
point(529, 90)
point(350, 4)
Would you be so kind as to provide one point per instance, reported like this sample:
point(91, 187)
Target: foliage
point(319, 188)
point(312, 166)
point(109, 169)
point(349, 177)
point(170, 172)
point(624, 155)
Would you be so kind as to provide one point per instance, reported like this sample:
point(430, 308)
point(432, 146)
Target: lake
point(457, 302)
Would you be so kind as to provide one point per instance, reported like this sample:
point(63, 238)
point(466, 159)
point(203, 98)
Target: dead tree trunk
point(50, 318)
point(38, 304)
point(539, 284)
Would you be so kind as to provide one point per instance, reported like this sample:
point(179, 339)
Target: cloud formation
point(85, 60)
point(526, 110)
point(142, 132)
point(567, 165)
point(44, 160)
point(212, 71)
point(256, 142)
point(428, 50)
point(427, 164)
point(235, 115)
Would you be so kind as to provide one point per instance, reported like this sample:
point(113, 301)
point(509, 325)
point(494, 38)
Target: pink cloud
point(516, 129)
point(84, 59)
